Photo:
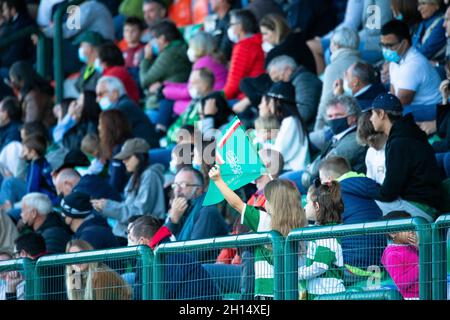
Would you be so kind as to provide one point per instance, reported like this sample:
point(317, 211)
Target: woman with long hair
point(114, 130)
point(95, 280)
point(144, 192)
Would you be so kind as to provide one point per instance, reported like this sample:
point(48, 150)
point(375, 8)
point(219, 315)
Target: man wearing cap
point(78, 214)
point(154, 12)
point(413, 181)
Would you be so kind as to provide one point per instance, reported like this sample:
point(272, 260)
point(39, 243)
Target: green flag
point(238, 159)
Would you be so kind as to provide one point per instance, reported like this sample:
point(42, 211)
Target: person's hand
point(210, 108)
point(6, 206)
point(99, 205)
point(34, 39)
point(412, 239)
point(148, 51)
point(155, 87)
point(214, 173)
point(13, 278)
point(57, 112)
point(179, 206)
point(429, 127)
point(443, 88)
point(75, 110)
point(338, 87)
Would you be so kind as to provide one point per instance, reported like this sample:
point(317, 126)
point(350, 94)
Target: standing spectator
point(110, 62)
point(111, 95)
point(78, 214)
point(34, 93)
point(219, 29)
point(144, 192)
point(413, 79)
point(154, 11)
point(37, 214)
point(114, 130)
point(413, 180)
point(247, 59)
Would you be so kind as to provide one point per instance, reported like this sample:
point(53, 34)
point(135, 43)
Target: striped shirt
point(323, 271)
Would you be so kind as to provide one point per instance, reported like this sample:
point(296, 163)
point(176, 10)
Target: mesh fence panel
point(17, 279)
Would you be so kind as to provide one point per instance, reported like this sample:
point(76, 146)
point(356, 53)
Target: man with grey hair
point(308, 86)
point(360, 81)
point(111, 94)
point(342, 114)
point(344, 53)
point(37, 214)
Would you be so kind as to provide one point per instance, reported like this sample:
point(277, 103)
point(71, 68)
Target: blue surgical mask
point(232, 36)
point(197, 166)
point(155, 47)
point(105, 103)
point(338, 125)
point(82, 56)
point(399, 17)
point(98, 66)
point(391, 55)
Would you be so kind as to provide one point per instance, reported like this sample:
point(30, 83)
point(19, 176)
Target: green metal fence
point(22, 269)
point(115, 274)
point(441, 263)
point(373, 277)
point(178, 274)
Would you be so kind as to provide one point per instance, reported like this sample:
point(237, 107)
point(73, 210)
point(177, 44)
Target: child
point(401, 259)
point(284, 213)
point(266, 129)
point(323, 271)
point(131, 45)
point(90, 145)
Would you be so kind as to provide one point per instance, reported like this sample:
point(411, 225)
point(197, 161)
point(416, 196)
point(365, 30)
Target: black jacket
point(9, 133)
point(139, 122)
point(443, 129)
point(294, 46)
point(365, 100)
point(55, 232)
point(97, 232)
point(411, 168)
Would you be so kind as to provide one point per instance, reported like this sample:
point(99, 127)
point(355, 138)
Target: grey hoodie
point(149, 200)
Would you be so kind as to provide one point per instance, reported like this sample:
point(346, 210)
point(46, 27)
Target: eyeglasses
point(234, 23)
point(389, 45)
point(183, 185)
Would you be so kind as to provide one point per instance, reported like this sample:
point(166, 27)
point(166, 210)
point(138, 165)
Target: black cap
point(75, 158)
point(386, 102)
point(76, 205)
point(282, 90)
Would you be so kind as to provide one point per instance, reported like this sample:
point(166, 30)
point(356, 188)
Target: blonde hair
point(285, 206)
point(277, 24)
point(99, 282)
point(204, 44)
point(90, 143)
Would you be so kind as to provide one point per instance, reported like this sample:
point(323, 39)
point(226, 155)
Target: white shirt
point(415, 73)
point(376, 164)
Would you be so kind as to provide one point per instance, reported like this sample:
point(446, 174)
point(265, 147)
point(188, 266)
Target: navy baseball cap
point(386, 102)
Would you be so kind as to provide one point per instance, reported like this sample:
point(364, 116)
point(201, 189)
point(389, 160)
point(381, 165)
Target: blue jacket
point(360, 251)
point(97, 187)
point(365, 99)
point(9, 133)
point(39, 179)
point(436, 40)
point(118, 176)
point(97, 232)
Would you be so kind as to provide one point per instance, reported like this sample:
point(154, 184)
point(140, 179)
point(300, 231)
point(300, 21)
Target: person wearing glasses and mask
point(187, 218)
point(144, 192)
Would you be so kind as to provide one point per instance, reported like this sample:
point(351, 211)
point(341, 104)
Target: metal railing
point(440, 257)
point(26, 268)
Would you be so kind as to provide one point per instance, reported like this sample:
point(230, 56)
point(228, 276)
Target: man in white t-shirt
point(413, 79)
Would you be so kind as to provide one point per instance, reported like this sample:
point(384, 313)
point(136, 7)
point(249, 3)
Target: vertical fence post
point(146, 258)
point(278, 261)
point(30, 274)
point(425, 258)
point(439, 260)
point(290, 266)
point(43, 62)
point(158, 276)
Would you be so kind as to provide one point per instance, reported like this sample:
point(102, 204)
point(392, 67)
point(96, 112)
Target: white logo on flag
point(232, 161)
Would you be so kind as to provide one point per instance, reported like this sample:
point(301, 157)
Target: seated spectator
point(360, 81)
point(284, 213)
point(88, 42)
point(8, 235)
point(413, 79)
point(37, 214)
point(78, 214)
point(413, 180)
point(111, 94)
point(324, 258)
point(114, 130)
point(291, 141)
point(215, 114)
point(218, 26)
point(344, 47)
point(187, 218)
point(279, 39)
point(34, 93)
point(376, 141)
point(359, 251)
point(165, 58)
point(154, 11)
point(266, 130)
point(308, 86)
point(110, 63)
point(93, 281)
point(144, 191)
point(406, 11)
point(429, 38)
point(202, 53)
point(343, 114)
point(247, 58)
point(401, 259)
point(90, 145)
point(131, 45)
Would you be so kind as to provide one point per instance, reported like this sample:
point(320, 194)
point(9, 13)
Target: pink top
point(402, 263)
point(179, 91)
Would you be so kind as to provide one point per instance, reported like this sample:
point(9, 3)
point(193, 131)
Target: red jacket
point(247, 60)
point(130, 85)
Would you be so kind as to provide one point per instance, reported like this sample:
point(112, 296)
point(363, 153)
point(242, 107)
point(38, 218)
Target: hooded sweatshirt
point(97, 232)
point(411, 168)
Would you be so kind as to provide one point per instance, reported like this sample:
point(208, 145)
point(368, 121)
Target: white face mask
point(266, 46)
point(232, 36)
point(191, 55)
point(193, 92)
point(173, 166)
point(347, 90)
point(105, 103)
point(98, 65)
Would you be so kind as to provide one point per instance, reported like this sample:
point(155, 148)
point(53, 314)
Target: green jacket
point(189, 117)
point(132, 8)
point(172, 64)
